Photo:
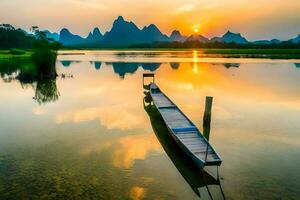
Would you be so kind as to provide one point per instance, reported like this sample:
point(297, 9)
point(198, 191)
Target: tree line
point(218, 45)
point(11, 37)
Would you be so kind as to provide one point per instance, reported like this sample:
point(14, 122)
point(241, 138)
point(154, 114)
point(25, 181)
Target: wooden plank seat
point(185, 129)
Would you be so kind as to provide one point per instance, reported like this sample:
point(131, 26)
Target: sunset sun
point(196, 30)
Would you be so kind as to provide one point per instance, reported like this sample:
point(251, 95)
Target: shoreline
point(201, 53)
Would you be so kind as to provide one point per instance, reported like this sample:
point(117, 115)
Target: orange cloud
point(135, 147)
point(114, 116)
point(137, 193)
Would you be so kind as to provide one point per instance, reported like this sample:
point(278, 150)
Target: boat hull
point(181, 135)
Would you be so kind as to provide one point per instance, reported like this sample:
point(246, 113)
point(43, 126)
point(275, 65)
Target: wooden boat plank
point(182, 138)
point(201, 151)
point(193, 140)
point(197, 147)
point(203, 154)
point(174, 119)
point(199, 143)
point(195, 144)
point(187, 134)
point(191, 137)
point(176, 126)
point(188, 140)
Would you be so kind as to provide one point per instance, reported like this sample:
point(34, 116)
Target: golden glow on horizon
point(196, 30)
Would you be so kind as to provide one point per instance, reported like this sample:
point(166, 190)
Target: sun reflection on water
point(195, 61)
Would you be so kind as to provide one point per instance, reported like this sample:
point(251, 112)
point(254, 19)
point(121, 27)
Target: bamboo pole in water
point(207, 117)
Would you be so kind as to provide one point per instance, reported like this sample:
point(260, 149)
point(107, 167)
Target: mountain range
point(124, 33)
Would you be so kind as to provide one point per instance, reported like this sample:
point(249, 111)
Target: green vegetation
point(16, 51)
point(15, 41)
point(44, 55)
point(217, 45)
point(35, 67)
point(11, 37)
point(5, 54)
point(283, 50)
point(26, 72)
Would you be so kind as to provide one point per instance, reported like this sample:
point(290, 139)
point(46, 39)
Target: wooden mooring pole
point(149, 75)
point(207, 117)
point(145, 75)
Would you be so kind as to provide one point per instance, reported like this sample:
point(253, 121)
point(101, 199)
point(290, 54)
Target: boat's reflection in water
point(199, 180)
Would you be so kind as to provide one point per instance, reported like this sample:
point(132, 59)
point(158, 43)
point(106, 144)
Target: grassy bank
point(13, 53)
point(32, 65)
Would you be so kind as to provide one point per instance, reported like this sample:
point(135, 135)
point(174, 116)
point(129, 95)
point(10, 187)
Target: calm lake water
point(88, 135)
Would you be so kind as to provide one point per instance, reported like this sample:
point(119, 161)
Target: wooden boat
point(199, 180)
point(184, 132)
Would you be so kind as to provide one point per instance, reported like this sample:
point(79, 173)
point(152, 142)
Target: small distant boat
point(184, 132)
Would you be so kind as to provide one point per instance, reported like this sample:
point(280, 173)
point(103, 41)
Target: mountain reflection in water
point(123, 68)
point(47, 91)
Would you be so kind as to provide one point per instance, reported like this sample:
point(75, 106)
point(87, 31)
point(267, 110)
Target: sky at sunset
point(255, 19)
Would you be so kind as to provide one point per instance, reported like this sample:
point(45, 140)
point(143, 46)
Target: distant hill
point(94, 36)
point(295, 40)
point(124, 33)
point(68, 38)
point(266, 42)
point(230, 37)
point(177, 37)
point(197, 37)
point(50, 35)
point(152, 34)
